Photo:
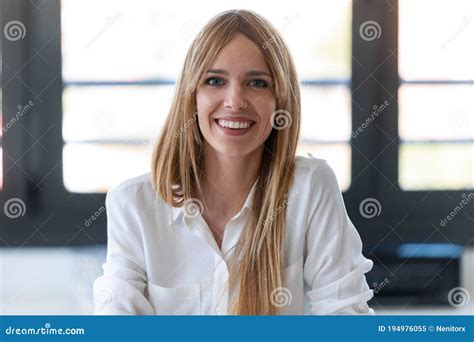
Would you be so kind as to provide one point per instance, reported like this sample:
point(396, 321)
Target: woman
point(229, 221)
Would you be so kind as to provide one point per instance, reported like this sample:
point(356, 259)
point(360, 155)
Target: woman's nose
point(235, 99)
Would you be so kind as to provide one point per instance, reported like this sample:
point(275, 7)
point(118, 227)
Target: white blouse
point(152, 269)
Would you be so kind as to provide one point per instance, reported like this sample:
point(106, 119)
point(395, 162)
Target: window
point(415, 158)
point(436, 95)
point(391, 112)
point(119, 70)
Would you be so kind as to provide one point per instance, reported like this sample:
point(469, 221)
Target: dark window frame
point(407, 216)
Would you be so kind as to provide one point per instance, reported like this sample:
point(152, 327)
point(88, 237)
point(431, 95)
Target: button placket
point(199, 228)
point(220, 292)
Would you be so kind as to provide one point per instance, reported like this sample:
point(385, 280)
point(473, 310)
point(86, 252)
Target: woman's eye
point(259, 83)
point(214, 81)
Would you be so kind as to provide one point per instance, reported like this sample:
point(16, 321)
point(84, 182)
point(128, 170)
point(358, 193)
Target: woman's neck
point(227, 180)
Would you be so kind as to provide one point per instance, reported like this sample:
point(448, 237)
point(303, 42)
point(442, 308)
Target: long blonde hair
point(178, 155)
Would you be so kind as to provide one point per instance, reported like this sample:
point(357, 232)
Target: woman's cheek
point(204, 106)
point(203, 120)
point(203, 100)
point(270, 108)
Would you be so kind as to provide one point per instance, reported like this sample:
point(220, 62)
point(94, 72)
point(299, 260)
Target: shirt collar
point(178, 212)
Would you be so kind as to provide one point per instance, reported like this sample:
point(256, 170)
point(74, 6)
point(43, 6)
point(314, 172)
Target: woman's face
point(235, 100)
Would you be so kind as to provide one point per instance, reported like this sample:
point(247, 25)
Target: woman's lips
point(234, 131)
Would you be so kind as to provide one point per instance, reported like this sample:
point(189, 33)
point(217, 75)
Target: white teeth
point(234, 124)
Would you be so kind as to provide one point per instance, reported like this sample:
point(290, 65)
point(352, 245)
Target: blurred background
point(387, 100)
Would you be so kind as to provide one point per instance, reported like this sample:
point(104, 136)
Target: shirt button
point(361, 308)
point(219, 310)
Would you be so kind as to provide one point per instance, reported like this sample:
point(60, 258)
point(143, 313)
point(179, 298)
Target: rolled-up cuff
point(347, 295)
point(115, 296)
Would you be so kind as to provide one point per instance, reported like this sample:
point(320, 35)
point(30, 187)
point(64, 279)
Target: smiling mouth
point(234, 125)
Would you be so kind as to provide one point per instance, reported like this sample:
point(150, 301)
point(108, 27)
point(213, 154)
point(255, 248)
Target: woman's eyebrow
point(218, 71)
point(248, 73)
point(258, 73)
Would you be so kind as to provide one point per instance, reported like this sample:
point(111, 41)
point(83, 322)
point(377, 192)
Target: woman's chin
point(232, 151)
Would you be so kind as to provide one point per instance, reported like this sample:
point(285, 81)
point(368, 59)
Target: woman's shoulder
point(315, 174)
point(311, 165)
point(313, 192)
point(309, 162)
point(135, 189)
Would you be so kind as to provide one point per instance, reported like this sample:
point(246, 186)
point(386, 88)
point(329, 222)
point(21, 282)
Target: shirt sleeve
point(334, 267)
point(121, 289)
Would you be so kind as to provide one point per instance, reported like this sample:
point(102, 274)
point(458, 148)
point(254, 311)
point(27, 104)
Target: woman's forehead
point(240, 55)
